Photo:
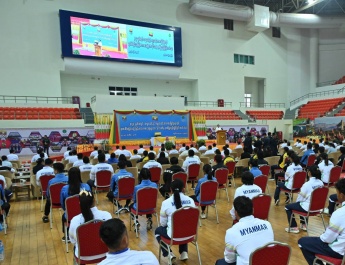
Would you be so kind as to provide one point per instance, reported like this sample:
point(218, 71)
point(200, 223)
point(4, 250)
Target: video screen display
point(90, 36)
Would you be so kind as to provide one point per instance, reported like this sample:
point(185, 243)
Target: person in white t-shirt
point(86, 166)
point(183, 148)
point(209, 150)
point(283, 144)
point(245, 236)
point(214, 147)
point(169, 206)
point(239, 145)
point(79, 162)
point(126, 152)
point(102, 165)
point(94, 153)
point(118, 151)
point(325, 167)
point(152, 162)
point(173, 150)
point(12, 156)
point(141, 149)
point(135, 155)
point(202, 148)
point(152, 151)
point(193, 148)
point(66, 154)
point(191, 159)
point(72, 158)
point(218, 128)
point(46, 170)
point(114, 234)
point(185, 152)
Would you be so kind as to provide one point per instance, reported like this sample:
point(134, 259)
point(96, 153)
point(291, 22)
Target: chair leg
point(136, 227)
point(227, 194)
point(306, 224)
point(323, 221)
point(66, 238)
point(117, 205)
point(215, 207)
point(130, 221)
point(42, 203)
point(268, 190)
point(197, 250)
point(96, 195)
point(4, 222)
point(51, 218)
point(292, 215)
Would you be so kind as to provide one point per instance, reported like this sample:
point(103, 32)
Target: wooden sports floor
point(30, 241)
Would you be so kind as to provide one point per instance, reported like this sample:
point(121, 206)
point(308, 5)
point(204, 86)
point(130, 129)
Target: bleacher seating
point(318, 108)
point(340, 81)
point(217, 114)
point(39, 113)
point(265, 114)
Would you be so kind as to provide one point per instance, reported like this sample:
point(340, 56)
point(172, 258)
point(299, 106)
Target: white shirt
point(184, 153)
point(107, 156)
point(304, 147)
point(78, 163)
point(118, 152)
point(283, 145)
point(299, 145)
point(190, 160)
point(12, 157)
point(230, 151)
point(126, 153)
point(100, 167)
point(201, 148)
point(151, 151)
point(194, 149)
point(152, 163)
point(85, 167)
point(290, 172)
point(141, 151)
point(131, 257)
point(211, 152)
point(327, 147)
point(325, 170)
point(79, 220)
point(214, 148)
point(244, 237)
point(182, 149)
point(37, 156)
point(4, 180)
point(249, 191)
point(72, 159)
point(134, 157)
point(66, 154)
point(93, 153)
point(306, 190)
point(46, 170)
point(173, 151)
point(7, 164)
point(218, 129)
point(168, 207)
point(238, 146)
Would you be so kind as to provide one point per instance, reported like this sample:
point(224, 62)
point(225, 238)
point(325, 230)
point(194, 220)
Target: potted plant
point(200, 142)
point(168, 145)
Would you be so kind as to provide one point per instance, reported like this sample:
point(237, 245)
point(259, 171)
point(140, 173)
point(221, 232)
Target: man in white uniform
point(183, 148)
point(79, 162)
point(135, 155)
point(126, 152)
point(73, 157)
point(5, 162)
point(66, 154)
point(118, 152)
point(173, 150)
point(247, 235)
point(209, 151)
point(86, 166)
point(152, 162)
point(141, 149)
point(46, 170)
point(99, 167)
point(12, 156)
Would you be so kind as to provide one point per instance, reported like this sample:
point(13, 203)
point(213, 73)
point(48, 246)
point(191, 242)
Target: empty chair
point(261, 181)
point(261, 206)
point(221, 174)
point(102, 181)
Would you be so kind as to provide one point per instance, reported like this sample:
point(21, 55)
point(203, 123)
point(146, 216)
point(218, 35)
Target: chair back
point(272, 160)
point(193, 171)
point(318, 199)
point(134, 171)
point(311, 160)
point(72, 207)
point(334, 175)
point(146, 199)
point(85, 176)
point(7, 174)
point(180, 162)
point(94, 161)
point(54, 193)
point(272, 253)
point(89, 241)
point(184, 223)
point(68, 166)
point(261, 181)
point(208, 191)
point(182, 176)
point(221, 174)
point(44, 182)
point(173, 155)
point(155, 174)
point(261, 206)
point(231, 167)
point(103, 178)
point(298, 179)
point(114, 166)
point(134, 161)
point(205, 160)
point(243, 162)
point(265, 170)
point(125, 187)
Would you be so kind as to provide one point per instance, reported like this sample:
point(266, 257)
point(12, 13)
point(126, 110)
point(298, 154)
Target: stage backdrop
point(142, 125)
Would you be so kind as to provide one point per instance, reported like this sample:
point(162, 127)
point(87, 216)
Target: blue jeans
point(332, 200)
point(162, 231)
point(297, 207)
point(314, 245)
point(277, 191)
point(223, 262)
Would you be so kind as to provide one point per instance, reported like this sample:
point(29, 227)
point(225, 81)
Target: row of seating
point(340, 81)
point(37, 116)
point(217, 114)
point(265, 114)
point(318, 108)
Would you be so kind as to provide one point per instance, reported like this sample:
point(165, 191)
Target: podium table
point(221, 137)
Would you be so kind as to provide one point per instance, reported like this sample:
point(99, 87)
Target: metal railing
point(33, 99)
point(206, 104)
point(93, 99)
point(262, 105)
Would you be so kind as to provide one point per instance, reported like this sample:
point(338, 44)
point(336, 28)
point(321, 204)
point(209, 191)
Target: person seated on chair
point(59, 177)
point(122, 157)
point(39, 166)
point(254, 168)
point(37, 156)
point(141, 149)
point(73, 157)
point(152, 150)
point(169, 206)
point(89, 212)
point(5, 162)
point(209, 150)
point(318, 158)
point(325, 167)
point(332, 201)
point(208, 175)
point(218, 159)
point(332, 242)
point(145, 177)
point(307, 153)
point(135, 155)
point(248, 189)
point(152, 162)
point(167, 176)
point(281, 162)
point(6, 168)
point(261, 160)
point(93, 154)
point(191, 159)
point(114, 234)
point(86, 166)
point(12, 156)
point(341, 157)
point(99, 167)
point(5, 206)
point(80, 161)
point(74, 187)
point(182, 149)
point(289, 174)
point(303, 200)
point(163, 159)
point(145, 157)
point(66, 153)
point(185, 152)
point(114, 186)
point(7, 190)
point(173, 150)
point(227, 157)
point(202, 147)
point(126, 152)
point(112, 159)
point(46, 170)
point(241, 239)
point(162, 150)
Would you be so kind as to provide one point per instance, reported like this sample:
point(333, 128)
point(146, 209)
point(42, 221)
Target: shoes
point(287, 200)
point(172, 258)
point(45, 219)
point(203, 216)
point(229, 185)
point(293, 230)
point(326, 211)
point(276, 202)
point(120, 209)
point(184, 255)
point(149, 224)
point(303, 227)
point(136, 225)
point(64, 240)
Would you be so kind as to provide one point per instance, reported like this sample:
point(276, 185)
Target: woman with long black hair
point(169, 206)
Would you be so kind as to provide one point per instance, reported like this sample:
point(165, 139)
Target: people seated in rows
point(169, 206)
point(93, 154)
point(239, 145)
point(152, 162)
point(241, 239)
point(185, 152)
point(37, 156)
point(145, 157)
point(325, 167)
point(126, 152)
point(167, 176)
point(254, 168)
point(7, 190)
point(118, 151)
point(89, 212)
point(227, 157)
point(152, 150)
point(74, 186)
point(162, 150)
point(304, 146)
point(122, 157)
point(307, 153)
point(173, 150)
point(202, 148)
point(332, 242)
point(281, 163)
point(79, 162)
point(163, 159)
point(182, 148)
point(66, 153)
point(145, 181)
point(39, 165)
point(112, 159)
point(72, 157)
point(218, 159)
point(303, 200)
point(2, 167)
point(298, 143)
point(12, 156)
point(331, 148)
point(318, 158)
point(141, 149)
point(107, 155)
point(99, 167)
point(191, 159)
point(261, 158)
point(208, 175)
point(135, 155)
point(86, 166)
point(209, 151)
point(5, 162)
point(59, 177)
point(46, 170)
point(226, 147)
point(282, 145)
point(114, 234)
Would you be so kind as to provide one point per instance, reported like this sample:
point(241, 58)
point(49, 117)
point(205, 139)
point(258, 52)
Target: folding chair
point(328, 260)
point(184, 225)
point(103, 179)
point(193, 173)
point(146, 204)
point(221, 174)
point(54, 193)
point(266, 170)
point(272, 253)
point(91, 249)
point(155, 174)
point(318, 200)
point(44, 185)
point(208, 196)
point(261, 206)
point(334, 176)
point(125, 189)
point(298, 180)
point(311, 160)
point(231, 168)
point(72, 209)
point(182, 176)
point(261, 181)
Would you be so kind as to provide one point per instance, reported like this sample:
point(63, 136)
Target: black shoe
point(149, 224)
point(64, 240)
point(45, 219)
point(287, 200)
point(276, 202)
point(136, 225)
point(120, 209)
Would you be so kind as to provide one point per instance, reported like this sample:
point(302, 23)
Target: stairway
point(336, 110)
point(87, 115)
point(241, 114)
point(290, 114)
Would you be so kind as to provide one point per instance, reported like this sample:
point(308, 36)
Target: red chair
point(329, 260)
point(208, 196)
point(343, 167)
point(318, 200)
point(266, 170)
point(44, 185)
point(272, 253)
point(155, 174)
point(182, 176)
point(231, 168)
point(261, 181)
point(103, 179)
point(297, 182)
point(125, 189)
point(72, 209)
point(261, 206)
point(90, 246)
point(311, 160)
point(334, 176)
point(184, 225)
point(54, 193)
point(221, 174)
point(146, 203)
point(193, 173)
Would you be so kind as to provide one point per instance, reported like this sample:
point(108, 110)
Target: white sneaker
point(203, 216)
point(326, 211)
point(293, 230)
point(184, 255)
point(172, 258)
point(303, 227)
